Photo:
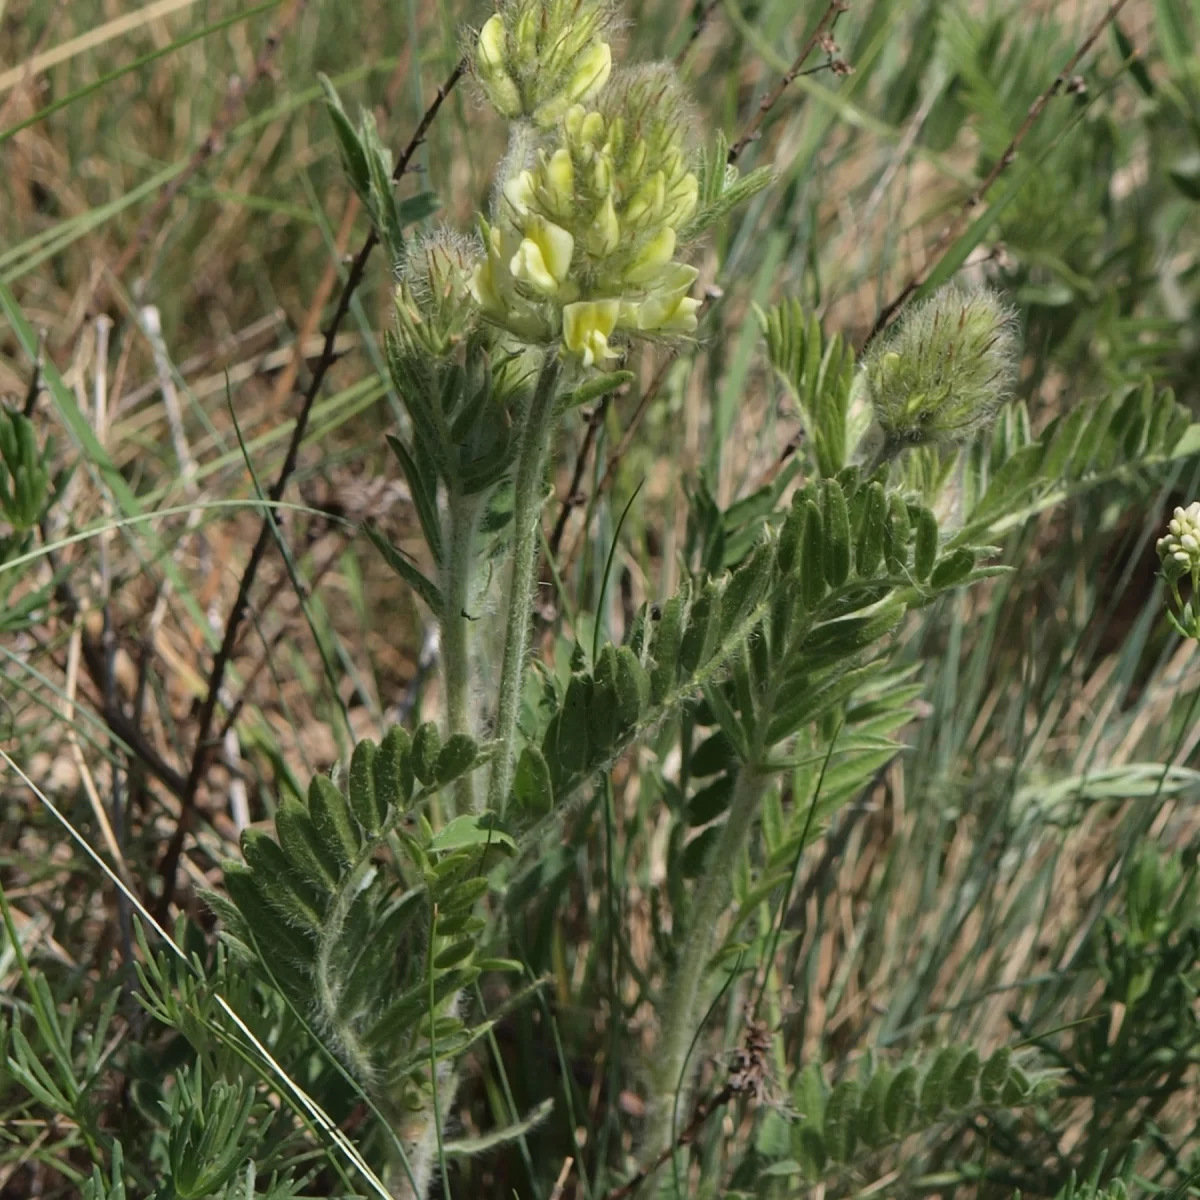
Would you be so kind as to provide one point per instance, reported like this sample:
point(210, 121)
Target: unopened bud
point(653, 256)
point(647, 205)
point(438, 284)
point(948, 366)
point(490, 49)
point(1179, 547)
point(558, 183)
point(605, 234)
point(592, 69)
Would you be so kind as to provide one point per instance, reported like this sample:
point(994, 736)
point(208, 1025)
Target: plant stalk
point(673, 1076)
point(527, 510)
point(419, 1133)
point(457, 580)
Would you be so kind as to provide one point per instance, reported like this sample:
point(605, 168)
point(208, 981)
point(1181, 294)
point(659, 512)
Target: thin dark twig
point(952, 231)
point(574, 496)
point(768, 102)
point(701, 23)
point(233, 625)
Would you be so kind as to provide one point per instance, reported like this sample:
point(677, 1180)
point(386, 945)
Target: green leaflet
point(838, 1127)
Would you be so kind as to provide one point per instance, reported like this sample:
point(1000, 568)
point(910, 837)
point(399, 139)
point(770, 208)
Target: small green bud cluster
point(1179, 552)
point(435, 308)
point(535, 58)
point(584, 238)
point(947, 368)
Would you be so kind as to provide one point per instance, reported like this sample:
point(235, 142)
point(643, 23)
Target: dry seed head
point(945, 370)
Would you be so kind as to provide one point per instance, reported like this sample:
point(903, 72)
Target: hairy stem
point(419, 1131)
point(457, 579)
point(527, 510)
point(686, 986)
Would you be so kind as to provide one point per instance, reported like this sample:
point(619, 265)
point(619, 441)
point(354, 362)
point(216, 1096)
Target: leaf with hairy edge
point(397, 560)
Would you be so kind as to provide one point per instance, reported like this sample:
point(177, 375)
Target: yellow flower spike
point(605, 234)
point(587, 326)
point(651, 259)
point(544, 256)
point(592, 69)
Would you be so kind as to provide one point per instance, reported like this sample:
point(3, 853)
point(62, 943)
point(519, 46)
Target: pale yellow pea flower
point(544, 256)
point(587, 326)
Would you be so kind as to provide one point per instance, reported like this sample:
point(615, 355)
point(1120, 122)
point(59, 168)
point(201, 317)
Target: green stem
point(673, 1088)
point(457, 579)
point(885, 451)
point(527, 511)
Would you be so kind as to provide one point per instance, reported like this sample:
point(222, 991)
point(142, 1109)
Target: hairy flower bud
point(592, 69)
point(535, 58)
point(491, 68)
point(947, 367)
point(435, 305)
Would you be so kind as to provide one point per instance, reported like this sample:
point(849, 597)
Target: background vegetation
point(175, 232)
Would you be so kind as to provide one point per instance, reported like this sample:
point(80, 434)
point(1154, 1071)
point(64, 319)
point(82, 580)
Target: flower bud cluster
point(949, 365)
point(585, 233)
point(1179, 552)
point(435, 309)
point(535, 58)
point(1179, 547)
